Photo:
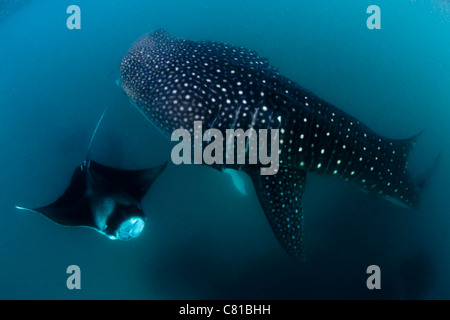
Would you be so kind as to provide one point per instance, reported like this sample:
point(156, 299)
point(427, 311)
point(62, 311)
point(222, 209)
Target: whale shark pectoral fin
point(280, 196)
point(238, 181)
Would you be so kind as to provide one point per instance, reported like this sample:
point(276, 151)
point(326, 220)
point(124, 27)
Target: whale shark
point(174, 82)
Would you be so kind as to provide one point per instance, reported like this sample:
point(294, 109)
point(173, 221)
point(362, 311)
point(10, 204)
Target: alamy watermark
point(250, 144)
point(374, 20)
point(74, 280)
point(374, 280)
point(74, 20)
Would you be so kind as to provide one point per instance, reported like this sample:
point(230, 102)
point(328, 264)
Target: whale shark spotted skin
point(175, 82)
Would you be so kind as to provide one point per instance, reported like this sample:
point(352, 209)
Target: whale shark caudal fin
point(280, 196)
point(402, 189)
point(423, 179)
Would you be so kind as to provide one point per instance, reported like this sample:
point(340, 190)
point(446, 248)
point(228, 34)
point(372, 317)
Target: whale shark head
point(174, 82)
point(143, 64)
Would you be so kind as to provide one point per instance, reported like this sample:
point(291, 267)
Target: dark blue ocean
point(203, 239)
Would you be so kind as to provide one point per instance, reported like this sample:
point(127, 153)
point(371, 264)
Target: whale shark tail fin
point(403, 190)
point(413, 187)
point(403, 147)
point(424, 178)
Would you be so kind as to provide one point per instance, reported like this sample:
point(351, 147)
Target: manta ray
point(174, 82)
point(103, 198)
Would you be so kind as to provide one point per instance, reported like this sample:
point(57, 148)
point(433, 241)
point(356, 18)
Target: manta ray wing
point(135, 182)
point(72, 208)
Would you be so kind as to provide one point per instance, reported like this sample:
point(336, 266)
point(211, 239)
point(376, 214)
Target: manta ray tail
point(93, 136)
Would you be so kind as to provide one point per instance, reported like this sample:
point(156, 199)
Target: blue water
point(203, 239)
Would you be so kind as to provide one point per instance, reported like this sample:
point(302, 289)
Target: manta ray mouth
point(131, 228)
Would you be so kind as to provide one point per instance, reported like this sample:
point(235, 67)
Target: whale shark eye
point(130, 228)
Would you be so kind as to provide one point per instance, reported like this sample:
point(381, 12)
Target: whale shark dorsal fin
point(238, 181)
point(280, 196)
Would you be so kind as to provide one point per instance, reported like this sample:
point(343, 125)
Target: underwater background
point(203, 239)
